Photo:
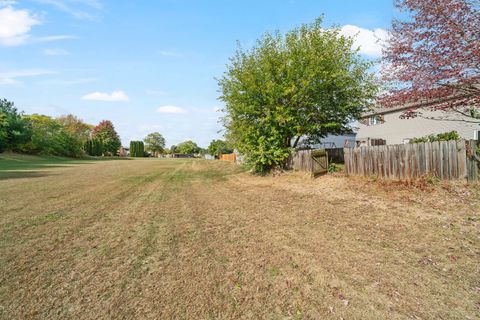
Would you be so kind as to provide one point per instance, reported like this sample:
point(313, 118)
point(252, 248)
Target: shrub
point(137, 149)
point(94, 147)
point(445, 136)
point(333, 167)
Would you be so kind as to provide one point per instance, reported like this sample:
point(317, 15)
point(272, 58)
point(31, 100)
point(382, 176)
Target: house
point(331, 141)
point(386, 126)
point(123, 152)
point(181, 155)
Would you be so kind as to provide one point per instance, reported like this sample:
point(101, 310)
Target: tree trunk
point(296, 142)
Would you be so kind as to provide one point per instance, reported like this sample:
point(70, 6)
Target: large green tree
point(76, 127)
point(187, 147)
point(106, 134)
point(14, 130)
point(49, 136)
point(218, 147)
point(154, 142)
point(306, 83)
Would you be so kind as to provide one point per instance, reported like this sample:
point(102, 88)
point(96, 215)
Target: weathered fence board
point(300, 161)
point(462, 160)
point(444, 159)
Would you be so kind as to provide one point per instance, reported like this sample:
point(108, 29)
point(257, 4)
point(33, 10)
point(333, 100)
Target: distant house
point(331, 142)
point(124, 152)
point(181, 155)
point(385, 125)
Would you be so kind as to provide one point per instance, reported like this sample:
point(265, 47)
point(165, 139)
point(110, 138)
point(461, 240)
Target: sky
point(151, 65)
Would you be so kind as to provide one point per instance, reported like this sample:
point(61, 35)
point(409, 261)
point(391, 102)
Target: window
point(374, 120)
point(476, 135)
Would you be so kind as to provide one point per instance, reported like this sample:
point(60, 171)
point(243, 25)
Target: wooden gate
point(319, 162)
point(313, 161)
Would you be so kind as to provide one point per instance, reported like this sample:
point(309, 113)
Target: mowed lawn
point(196, 239)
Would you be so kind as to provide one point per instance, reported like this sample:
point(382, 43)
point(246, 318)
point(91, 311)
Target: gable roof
point(380, 110)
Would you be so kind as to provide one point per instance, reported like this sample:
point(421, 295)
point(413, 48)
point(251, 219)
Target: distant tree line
point(62, 136)
point(186, 147)
point(71, 137)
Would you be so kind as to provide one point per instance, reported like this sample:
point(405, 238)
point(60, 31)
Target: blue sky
point(151, 65)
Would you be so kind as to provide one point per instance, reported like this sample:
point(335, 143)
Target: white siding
point(395, 130)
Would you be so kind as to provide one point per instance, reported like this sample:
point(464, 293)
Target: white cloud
point(96, 4)
point(116, 96)
point(11, 77)
point(55, 52)
point(171, 109)
point(53, 38)
point(370, 42)
point(15, 26)
point(6, 3)
point(79, 9)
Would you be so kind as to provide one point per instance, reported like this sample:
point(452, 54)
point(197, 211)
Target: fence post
point(346, 158)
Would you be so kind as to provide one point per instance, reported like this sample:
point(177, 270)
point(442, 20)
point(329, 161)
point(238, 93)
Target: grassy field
point(193, 239)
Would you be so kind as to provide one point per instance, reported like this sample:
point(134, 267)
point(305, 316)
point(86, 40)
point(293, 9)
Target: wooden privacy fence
point(228, 157)
point(313, 161)
point(442, 159)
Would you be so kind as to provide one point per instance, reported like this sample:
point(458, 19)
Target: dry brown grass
point(186, 239)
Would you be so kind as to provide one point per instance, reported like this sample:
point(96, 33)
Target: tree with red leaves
point(106, 134)
point(433, 57)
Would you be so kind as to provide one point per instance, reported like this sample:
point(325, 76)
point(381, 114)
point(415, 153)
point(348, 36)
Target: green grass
point(14, 161)
point(14, 165)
